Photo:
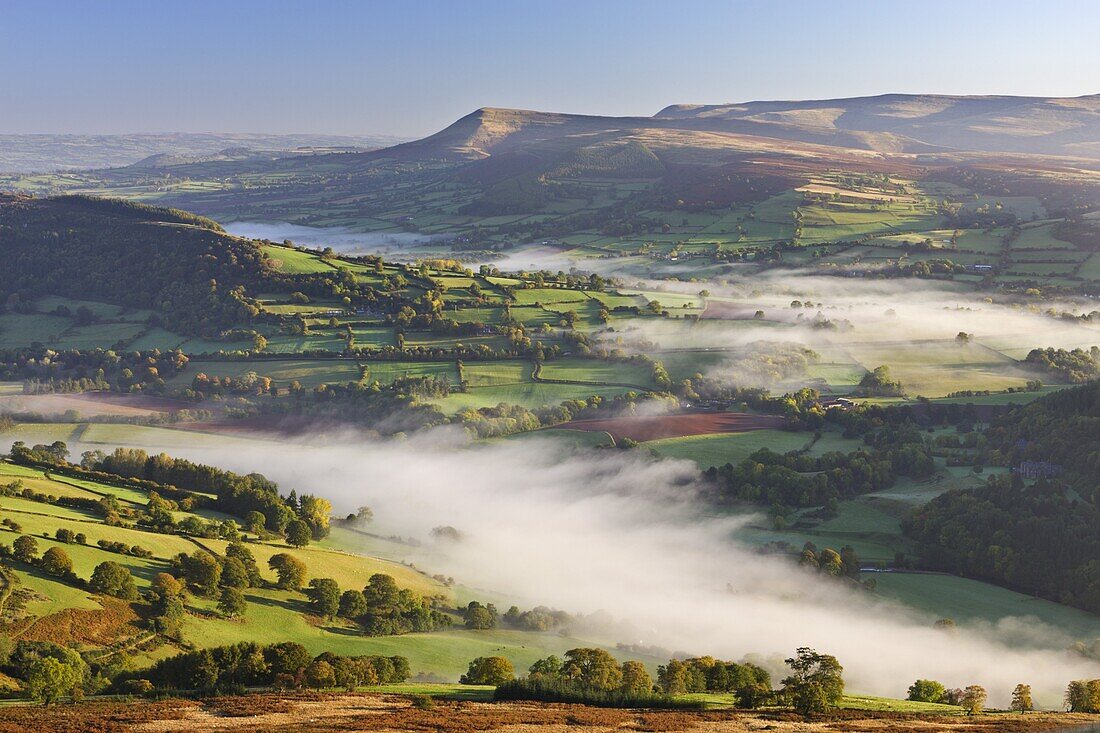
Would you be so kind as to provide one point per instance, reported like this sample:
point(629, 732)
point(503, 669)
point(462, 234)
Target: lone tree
point(56, 562)
point(817, 682)
point(479, 617)
point(1021, 699)
point(489, 671)
point(291, 571)
point(353, 604)
point(973, 699)
point(25, 549)
point(232, 602)
point(926, 691)
point(593, 669)
point(324, 597)
point(298, 533)
point(112, 579)
point(636, 679)
point(55, 674)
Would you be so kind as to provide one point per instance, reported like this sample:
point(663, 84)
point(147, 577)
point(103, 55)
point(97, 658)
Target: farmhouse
point(1037, 469)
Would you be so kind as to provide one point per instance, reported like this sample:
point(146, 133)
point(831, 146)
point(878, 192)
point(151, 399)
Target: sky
point(411, 67)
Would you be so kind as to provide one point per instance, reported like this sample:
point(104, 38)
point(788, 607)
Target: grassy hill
point(48, 608)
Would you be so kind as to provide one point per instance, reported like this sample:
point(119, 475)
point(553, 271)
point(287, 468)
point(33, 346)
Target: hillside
point(917, 123)
point(181, 265)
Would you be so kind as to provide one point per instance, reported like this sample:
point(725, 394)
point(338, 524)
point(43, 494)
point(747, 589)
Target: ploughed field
point(644, 427)
point(321, 713)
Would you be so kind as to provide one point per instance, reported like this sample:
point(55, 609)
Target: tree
point(320, 674)
point(324, 597)
point(255, 522)
point(234, 574)
point(298, 533)
point(56, 562)
point(594, 669)
point(232, 602)
point(48, 679)
point(315, 512)
point(1021, 699)
point(53, 673)
point(636, 679)
point(201, 570)
point(973, 699)
point(237, 551)
point(166, 596)
point(287, 657)
point(112, 579)
point(353, 604)
point(546, 669)
point(817, 682)
point(480, 617)
point(926, 691)
point(25, 549)
point(290, 570)
point(488, 671)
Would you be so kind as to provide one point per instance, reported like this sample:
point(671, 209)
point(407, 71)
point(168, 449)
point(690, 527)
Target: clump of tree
point(480, 617)
point(49, 672)
point(749, 683)
point(1083, 696)
point(927, 691)
point(879, 383)
point(800, 480)
point(1076, 366)
point(381, 608)
point(590, 677)
point(489, 671)
point(816, 682)
point(539, 618)
point(231, 669)
point(829, 562)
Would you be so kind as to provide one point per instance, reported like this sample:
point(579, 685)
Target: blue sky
point(412, 67)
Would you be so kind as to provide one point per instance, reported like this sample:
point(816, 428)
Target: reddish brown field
point(642, 428)
point(330, 713)
point(719, 310)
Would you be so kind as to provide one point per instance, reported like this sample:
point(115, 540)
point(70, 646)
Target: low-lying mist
point(343, 240)
point(620, 532)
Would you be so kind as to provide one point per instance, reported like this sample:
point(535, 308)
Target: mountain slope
point(1042, 125)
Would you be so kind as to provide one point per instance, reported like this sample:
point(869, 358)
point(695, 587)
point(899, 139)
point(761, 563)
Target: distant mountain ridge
point(42, 153)
point(1040, 125)
point(891, 123)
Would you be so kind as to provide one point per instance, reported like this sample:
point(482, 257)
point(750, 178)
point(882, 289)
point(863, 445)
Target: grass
point(962, 599)
point(718, 449)
point(293, 262)
point(309, 373)
point(387, 371)
point(350, 571)
point(594, 371)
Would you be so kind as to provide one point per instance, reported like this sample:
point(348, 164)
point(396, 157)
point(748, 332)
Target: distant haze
point(410, 67)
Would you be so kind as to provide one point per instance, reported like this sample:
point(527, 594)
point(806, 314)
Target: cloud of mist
point(619, 532)
point(342, 239)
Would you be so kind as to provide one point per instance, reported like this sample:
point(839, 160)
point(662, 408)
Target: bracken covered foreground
point(322, 713)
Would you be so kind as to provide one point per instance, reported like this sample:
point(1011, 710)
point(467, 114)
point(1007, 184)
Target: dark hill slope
point(180, 265)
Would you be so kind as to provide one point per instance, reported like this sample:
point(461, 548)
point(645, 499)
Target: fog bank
point(619, 532)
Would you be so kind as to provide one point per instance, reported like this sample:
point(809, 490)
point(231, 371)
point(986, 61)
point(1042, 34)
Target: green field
point(947, 596)
point(309, 373)
point(721, 448)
